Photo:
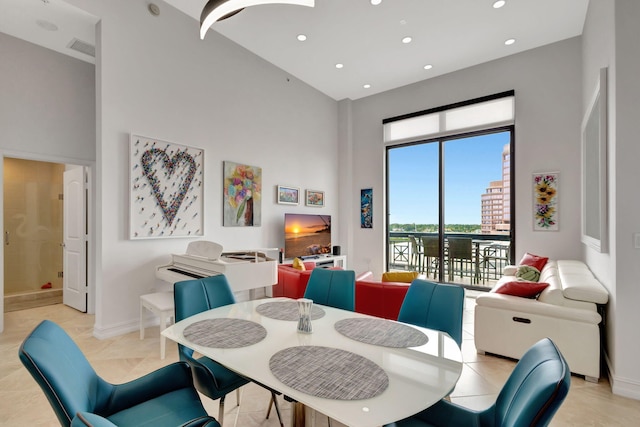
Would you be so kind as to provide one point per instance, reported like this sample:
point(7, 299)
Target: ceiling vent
point(82, 47)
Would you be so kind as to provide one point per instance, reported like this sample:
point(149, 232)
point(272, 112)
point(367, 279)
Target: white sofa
point(566, 311)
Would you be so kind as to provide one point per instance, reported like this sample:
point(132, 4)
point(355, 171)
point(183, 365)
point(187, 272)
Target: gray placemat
point(225, 333)
point(286, 310)
point(330, 373)
point(381, 332)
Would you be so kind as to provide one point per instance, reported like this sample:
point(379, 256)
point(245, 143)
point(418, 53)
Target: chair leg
point(274, 402)
point(221, 410)
point(238, 397)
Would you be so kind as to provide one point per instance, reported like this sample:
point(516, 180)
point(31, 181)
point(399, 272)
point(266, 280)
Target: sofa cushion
point(536, 261)
point(399, 276)
point(527, 272)
point(298, 264)
point(521, 288)
point(578, 283)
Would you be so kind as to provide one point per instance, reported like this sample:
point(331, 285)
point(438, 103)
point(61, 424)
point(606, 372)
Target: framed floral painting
point(314, 198)
point(545, 201)
point(288, 195)
point(242, 195)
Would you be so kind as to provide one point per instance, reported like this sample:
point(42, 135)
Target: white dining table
point(418, 376)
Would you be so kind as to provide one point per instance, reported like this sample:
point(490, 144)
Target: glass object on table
point(304, 310)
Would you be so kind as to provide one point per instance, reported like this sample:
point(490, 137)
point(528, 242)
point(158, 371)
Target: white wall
point(47, 110)
point(156, 78)
point(548, 92)
point(610, 40)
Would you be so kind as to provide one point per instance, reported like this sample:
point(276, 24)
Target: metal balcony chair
point(462, 259)
point(531, 396)
point(431, 255)
point(416, 254)
point(79, 397)
point(494, 257)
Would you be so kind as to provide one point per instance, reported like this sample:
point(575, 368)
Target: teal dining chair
point(530, 398)
point(434, 305)
point(210, 378)
point(79, 397)
point(334, 288)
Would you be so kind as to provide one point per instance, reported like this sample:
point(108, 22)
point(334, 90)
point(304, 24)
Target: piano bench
point(160, 304)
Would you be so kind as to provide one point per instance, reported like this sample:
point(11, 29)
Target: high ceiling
point(449, 35)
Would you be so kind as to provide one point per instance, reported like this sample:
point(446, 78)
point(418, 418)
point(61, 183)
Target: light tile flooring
point(126, 357)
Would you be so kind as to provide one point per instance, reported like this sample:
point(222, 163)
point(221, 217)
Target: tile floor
point(126, 357)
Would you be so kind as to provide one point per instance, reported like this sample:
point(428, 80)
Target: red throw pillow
point(521, 288)
point(532, 260)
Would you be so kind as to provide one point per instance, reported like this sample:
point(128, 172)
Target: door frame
point(91, 220)
point(441, 140)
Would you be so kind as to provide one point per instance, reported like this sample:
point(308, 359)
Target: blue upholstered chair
point(531, 396)
point(210, 378)
point(335, 288)
point(434, 305)
point(79, 397)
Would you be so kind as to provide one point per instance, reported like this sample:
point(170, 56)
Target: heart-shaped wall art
point(170, 178)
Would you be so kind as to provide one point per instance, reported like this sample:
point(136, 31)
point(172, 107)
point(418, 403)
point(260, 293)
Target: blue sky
point(470, 164)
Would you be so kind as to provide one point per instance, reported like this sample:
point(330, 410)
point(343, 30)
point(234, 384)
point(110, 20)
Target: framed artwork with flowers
point(545, 201)
point(314, 198)
point(288, 195)
point(166, 189)
point(242, 191)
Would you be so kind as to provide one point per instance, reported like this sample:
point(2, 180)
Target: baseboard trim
point(122, 328)
point(621, 386)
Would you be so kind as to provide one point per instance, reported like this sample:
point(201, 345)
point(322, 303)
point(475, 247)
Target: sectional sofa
point(569, 311)
point(373, 297)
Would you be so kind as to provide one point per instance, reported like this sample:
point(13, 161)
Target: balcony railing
point(475, 260)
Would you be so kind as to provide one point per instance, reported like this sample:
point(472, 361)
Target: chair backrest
point(415, 245)
point(335, 288)
point(460, 248)
point(431, 245)
point(63, 372)
point(535, 389)
point(434, 305)
point(195, 296)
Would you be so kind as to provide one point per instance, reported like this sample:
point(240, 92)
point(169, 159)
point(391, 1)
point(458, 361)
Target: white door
point(75, 240)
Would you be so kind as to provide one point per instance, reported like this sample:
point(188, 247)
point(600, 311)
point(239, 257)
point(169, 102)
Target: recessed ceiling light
point(376, 2)
point(498, 4)
point(406, 40)
point(301, 37)
point(339, 65)
point(49, 26)
point(367, 86)
point(510, 42)
point(428, 67)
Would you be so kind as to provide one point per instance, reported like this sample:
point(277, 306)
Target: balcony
point(473, 260)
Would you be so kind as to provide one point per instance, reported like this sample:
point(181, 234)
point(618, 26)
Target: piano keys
point(245, 270)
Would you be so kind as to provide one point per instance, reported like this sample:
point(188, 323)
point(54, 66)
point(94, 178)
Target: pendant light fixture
point(217, 10)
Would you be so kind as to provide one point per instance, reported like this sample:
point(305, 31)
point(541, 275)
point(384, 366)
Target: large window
point(449, 199)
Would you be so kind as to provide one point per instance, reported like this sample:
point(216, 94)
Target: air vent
point(82, 47)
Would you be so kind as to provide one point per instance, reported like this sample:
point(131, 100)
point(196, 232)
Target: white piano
point(245, 270)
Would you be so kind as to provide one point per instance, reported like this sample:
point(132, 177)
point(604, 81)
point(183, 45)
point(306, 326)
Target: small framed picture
point(315, 198)
point(288, 195)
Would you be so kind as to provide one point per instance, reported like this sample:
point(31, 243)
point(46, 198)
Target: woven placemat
point(327, 372)
point(286, 310)
point(381, 332)
point(225, 333)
